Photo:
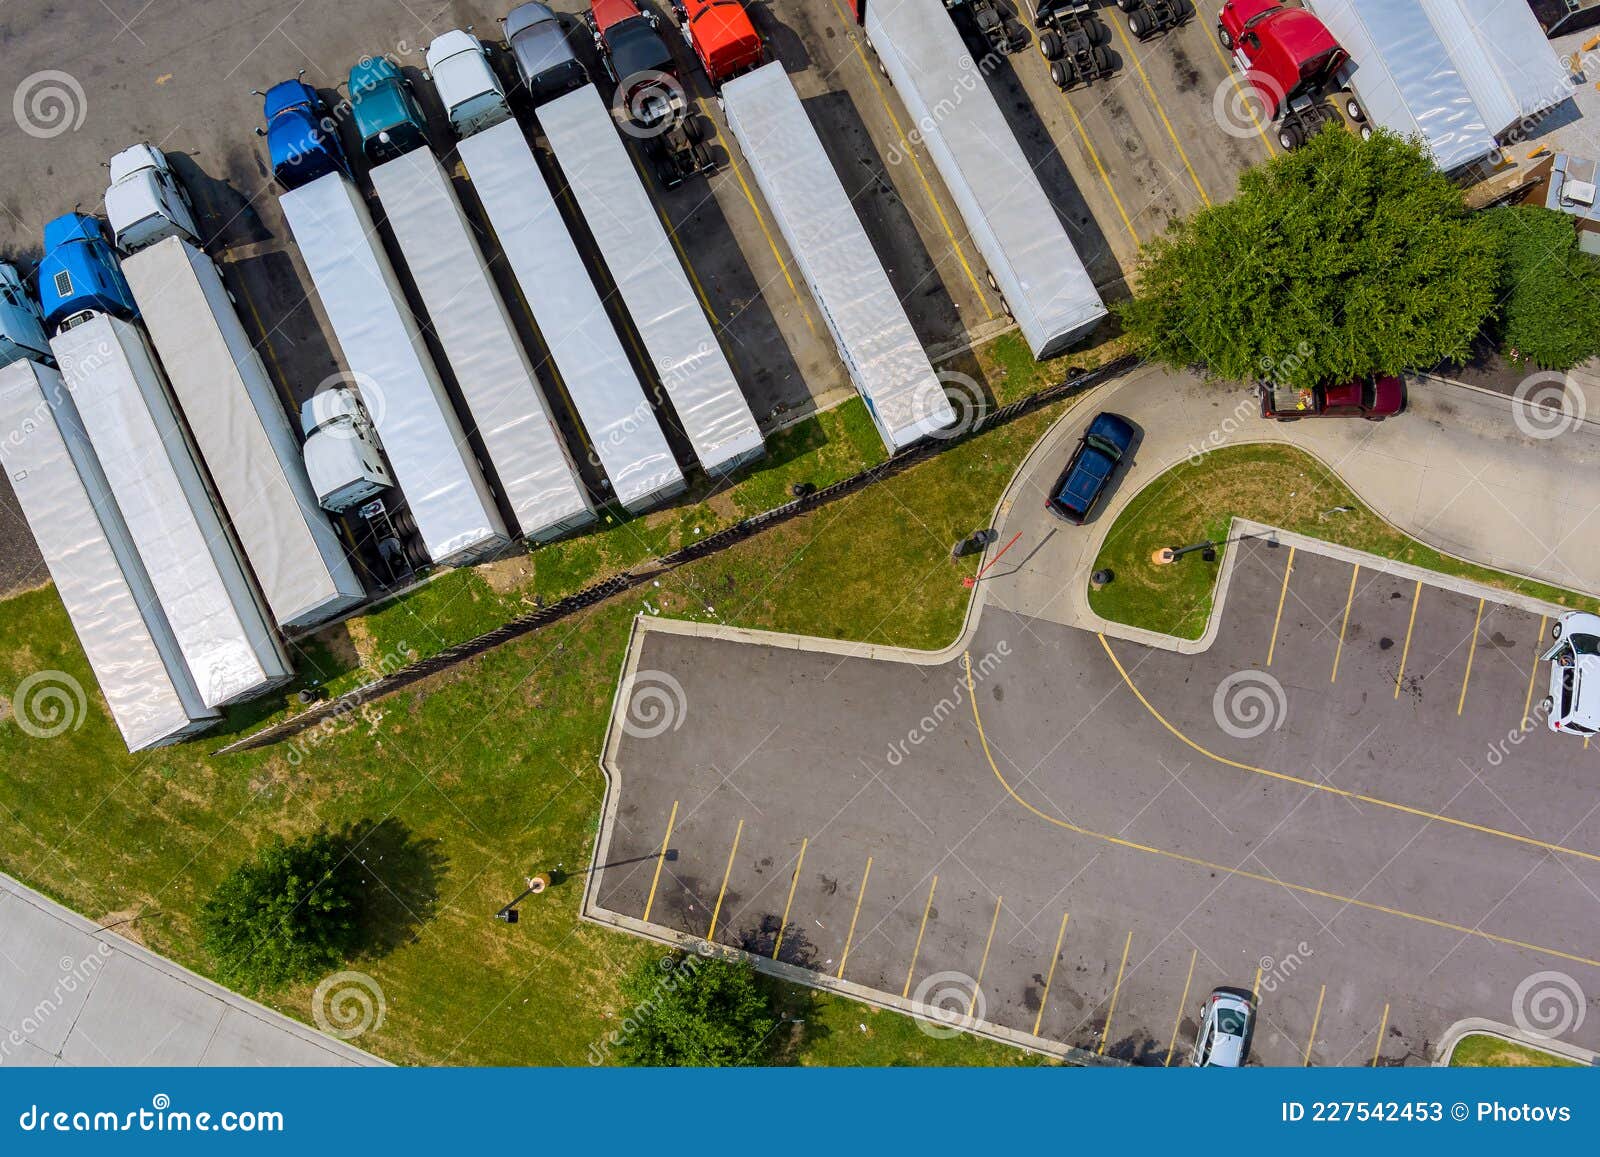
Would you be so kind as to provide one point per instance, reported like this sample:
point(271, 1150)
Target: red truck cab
point(1286, 54)
point(721, 36)
point(1373, 398)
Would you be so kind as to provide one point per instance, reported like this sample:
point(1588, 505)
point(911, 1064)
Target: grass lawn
point(1482, 1051)
point(1269, 483)
point(489, 771)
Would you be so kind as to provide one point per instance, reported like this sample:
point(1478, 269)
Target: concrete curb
point(1478, 1026)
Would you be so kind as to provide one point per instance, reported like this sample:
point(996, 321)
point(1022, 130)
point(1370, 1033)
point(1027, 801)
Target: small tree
point(1549, 289)
point(289, 914)
point(1343, 258)
point(689, 1010)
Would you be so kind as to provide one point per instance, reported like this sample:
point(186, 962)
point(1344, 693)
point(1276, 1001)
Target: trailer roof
point(814, 214)
point(693, 370)
point(583, 344)
point(1508, 64)
point(1005, 208)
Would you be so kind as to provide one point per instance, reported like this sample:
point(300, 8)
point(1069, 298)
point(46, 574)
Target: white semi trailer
point(243, 434)
point(97, 570)
point(432, 461)
point(504, 404)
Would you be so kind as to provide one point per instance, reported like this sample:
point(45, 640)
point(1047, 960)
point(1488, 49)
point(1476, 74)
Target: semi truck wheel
point(1227, 40)
point(1353, 107)
point(1291, 137)
point(1063, 74)
point(1051, 45)
point(1138, 24)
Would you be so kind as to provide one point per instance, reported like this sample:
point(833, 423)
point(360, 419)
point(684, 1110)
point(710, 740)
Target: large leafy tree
point(1343, 258)
point(289, 914)
point(690, 1010)
point(1549, 289)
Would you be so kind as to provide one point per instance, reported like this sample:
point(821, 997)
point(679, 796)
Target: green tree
point(689, 1010)
point(290, 913)
point(1343, 258)
point(1549, 289)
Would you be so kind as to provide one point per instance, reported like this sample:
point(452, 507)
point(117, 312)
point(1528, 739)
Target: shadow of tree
point(396, 873)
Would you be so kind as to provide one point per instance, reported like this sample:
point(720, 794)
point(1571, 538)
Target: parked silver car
point(538, 44)
point(1227, 1019)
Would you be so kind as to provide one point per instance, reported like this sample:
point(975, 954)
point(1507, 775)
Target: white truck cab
point(468, 86)
point(1573, 705)
point(344, 458)
point(145, 203)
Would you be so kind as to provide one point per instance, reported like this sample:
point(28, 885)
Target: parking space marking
point(1255, 985)
point(1349, 598)
point(1533, 673)
point(1244, 97)
point(1050, 973)
point(921, 928)
point(1116, 989)
point(789, 903)
point(1405, 652)
point(1133, 55)
point(1288, 569)
point(1383, 1025)
point(854, 916)
point(984, 962)
point(1261, 877)
point(655, 880)
point(1105, 179)
point(726, 872)
point(1316, 1019)
point(1472, 652)
point(1177, 1021)
point(872, 75)
point(1344, 793)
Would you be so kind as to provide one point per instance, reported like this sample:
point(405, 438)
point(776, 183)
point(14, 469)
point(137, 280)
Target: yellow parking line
point(1288, 569)
point(1255, 985)
point(661, 859)
point(921, 928)
point(977, 980)
point(851, 935)
point(1533, 673)
point(1471, 651)
point(955, 246)
point(1316, 1020)
point(793, 880)
point(1105, 179)
point(1050, 975)
point(1105, 1036)
point(1343, 793)
point(1349, 598)
point(1383, 1026)
point(1133, 55)
point(1242, 873)
point(711, 934)
point(1238, 85)
point(1405, 652)
point(1177, 1021)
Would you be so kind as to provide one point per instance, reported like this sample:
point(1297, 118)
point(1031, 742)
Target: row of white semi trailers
point(181, 547)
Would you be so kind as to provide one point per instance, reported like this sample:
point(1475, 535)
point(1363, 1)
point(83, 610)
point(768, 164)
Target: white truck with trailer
point(503, 400)
point(145, 203)
point(831, 249)
point(1032, 262)
point(584, 348)
point(243, 434)
point(428, 452)
point(693, 371)
point(102, 581)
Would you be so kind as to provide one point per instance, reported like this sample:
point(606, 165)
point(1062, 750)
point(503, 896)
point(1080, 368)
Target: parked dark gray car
point(544, 59)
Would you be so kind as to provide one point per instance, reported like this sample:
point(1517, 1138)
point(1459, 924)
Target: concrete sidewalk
point(73, 993)
point(1456, 471)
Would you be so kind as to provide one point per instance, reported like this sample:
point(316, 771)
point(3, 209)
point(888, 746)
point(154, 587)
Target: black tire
point(1050, 44)
point(693, 129)
point(1291, 137)
point(1353, 107)
point(1366, 131)
point(1129, 5)
point(1555, 629)
point(1138, 26)
point(1063, 74)
point(1225, 39)
point(1101, 61)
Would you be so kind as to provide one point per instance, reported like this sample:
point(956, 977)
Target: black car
point(1103, 445)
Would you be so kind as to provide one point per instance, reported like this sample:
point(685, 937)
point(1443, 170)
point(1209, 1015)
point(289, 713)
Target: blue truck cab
point(80, 275)
point(301, 138)
point(386, 113)
point(1103, 445)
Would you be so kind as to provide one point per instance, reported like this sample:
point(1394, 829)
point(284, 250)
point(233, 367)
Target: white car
point(1226, 1021)
point(145, 203)
point(471, 92)
point(1573, 705)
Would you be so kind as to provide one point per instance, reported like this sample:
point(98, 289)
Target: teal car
point(385, 112)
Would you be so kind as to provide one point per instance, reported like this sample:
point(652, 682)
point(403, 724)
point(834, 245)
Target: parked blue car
point(1103, 445)
point(300, 135)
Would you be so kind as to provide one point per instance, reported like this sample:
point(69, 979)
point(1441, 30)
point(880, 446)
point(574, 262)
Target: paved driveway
point(1072, 838)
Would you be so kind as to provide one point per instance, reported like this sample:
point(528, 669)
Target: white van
point(468, 87)
point(1573, 705)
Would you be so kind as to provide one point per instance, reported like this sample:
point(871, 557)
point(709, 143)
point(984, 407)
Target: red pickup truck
point(1371, 398)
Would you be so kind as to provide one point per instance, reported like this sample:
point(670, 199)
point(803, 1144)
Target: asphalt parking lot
point(1088, 836)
